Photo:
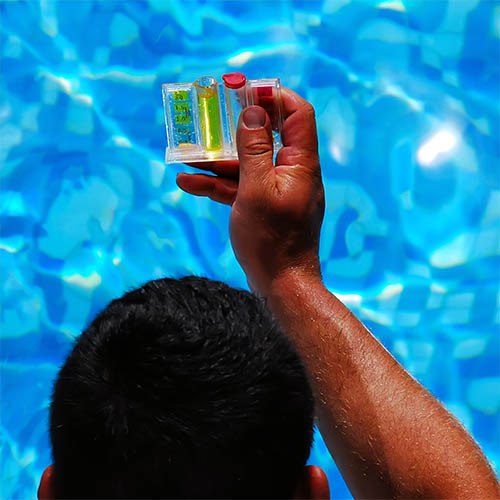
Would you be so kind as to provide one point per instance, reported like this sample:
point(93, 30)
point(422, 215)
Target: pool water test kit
point(202, 117)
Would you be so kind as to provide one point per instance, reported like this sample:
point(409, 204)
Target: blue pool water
point(407, 101)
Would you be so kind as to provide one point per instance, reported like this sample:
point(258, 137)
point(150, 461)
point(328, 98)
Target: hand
point(277, 211)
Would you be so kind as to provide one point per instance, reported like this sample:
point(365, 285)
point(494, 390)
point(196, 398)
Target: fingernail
point(254, 117)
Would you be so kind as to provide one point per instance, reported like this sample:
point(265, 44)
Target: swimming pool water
point(407, 100)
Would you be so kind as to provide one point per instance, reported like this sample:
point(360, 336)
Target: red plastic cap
point(234, 80)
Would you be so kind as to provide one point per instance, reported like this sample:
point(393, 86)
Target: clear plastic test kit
point(201, 117)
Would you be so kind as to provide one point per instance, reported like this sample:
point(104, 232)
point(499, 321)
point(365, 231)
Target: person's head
point(181, 389)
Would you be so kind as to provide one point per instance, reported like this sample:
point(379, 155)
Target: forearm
point(388, 435)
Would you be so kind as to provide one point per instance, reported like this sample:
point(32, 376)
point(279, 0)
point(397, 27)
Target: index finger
point(299, 135)
point(224, 168)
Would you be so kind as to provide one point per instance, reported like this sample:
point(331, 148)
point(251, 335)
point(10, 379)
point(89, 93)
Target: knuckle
point(309, 109)
point(257, 148)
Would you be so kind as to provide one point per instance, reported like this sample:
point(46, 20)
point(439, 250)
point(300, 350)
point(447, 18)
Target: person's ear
point(46, 488)
point(312, 484)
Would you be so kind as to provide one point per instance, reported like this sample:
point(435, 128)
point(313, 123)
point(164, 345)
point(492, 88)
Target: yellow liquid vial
point(209, 113)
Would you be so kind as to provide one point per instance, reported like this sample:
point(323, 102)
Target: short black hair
point(183, 388)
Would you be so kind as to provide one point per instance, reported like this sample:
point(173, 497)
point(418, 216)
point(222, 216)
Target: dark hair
point(181, 389)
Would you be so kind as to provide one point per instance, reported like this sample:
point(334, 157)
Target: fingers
point(255, 147)
point(255, 151)
point(299, 134)
point(225, 168)
point(216, 188)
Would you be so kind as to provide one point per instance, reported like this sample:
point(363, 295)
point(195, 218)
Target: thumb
point(255, 146)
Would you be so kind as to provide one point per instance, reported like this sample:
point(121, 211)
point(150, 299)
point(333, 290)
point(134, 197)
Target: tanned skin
point(388, 435)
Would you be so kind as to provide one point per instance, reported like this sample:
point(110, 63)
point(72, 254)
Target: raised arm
point(389, 437)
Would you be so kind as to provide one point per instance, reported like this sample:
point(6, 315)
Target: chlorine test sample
point(209, 113)
point(202, 117)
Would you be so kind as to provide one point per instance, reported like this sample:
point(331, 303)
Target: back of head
point(181, 389)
